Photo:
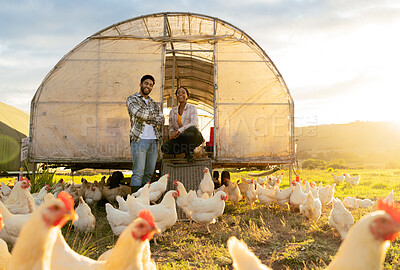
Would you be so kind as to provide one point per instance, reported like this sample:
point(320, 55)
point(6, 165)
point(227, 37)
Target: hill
point(357, 142)
point(14, 125)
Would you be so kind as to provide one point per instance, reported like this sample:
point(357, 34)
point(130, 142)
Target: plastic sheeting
point(78, 113)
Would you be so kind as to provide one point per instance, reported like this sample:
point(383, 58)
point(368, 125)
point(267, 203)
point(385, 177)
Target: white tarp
point(79, 112)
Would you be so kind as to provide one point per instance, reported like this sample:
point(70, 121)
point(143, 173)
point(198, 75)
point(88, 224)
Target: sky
point(340, 59)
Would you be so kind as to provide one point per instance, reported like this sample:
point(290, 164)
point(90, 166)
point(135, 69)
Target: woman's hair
point(187, 91)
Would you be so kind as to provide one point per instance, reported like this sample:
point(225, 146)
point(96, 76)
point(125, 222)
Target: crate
point(189, 174)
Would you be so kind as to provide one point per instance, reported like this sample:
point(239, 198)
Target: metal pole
point(215, 94)
point(34, 171)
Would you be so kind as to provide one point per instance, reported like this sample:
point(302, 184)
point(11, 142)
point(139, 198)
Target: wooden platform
point(190, 174)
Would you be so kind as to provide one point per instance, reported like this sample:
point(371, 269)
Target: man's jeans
point(144, 157)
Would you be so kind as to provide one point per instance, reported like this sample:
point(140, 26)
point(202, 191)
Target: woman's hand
point(175, 134)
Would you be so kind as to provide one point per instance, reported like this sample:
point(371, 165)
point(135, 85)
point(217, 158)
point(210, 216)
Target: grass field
point(280, 238)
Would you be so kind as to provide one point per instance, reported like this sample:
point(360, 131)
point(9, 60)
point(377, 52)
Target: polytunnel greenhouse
point(79, 115)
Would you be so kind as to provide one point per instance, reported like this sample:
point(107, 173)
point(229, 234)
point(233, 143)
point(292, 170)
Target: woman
point(183, 132)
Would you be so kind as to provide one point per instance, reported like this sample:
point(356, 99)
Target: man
point(146, 118)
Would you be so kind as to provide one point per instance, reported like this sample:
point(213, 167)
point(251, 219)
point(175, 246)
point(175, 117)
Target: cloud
point(326, 50)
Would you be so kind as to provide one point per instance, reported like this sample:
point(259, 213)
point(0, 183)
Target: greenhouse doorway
point(193, 69)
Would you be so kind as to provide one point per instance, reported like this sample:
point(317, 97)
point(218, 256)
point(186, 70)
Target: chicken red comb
point(205, 169)
point(392, 209)
point(148, 216)
point(175, 182)
point(67, 199)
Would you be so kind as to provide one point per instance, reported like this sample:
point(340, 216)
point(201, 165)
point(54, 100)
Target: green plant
point(43, 176)
point(313, 164)
point(338, 163)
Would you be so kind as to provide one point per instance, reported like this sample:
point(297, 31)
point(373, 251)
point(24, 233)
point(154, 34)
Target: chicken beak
point(72, 215)
point(156, 230)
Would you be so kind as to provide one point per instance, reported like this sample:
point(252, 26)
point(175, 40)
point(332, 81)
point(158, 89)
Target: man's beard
point(142, 91)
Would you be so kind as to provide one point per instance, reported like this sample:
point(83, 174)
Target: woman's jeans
point(144, 157)
point(186, 142)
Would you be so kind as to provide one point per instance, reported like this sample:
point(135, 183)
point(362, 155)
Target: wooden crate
point(190, 174)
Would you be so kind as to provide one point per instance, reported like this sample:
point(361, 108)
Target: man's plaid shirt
point(141, 113)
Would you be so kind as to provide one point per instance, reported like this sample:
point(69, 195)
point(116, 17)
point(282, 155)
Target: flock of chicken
point(203, 209)
point(32, 222)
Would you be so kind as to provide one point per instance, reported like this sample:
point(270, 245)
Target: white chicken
point(181, 200)
point(232, 191)
point(132, 250)
point(244, 185)
point(57, 187)
point(122, 205)
point(157, 188)
point(164, 213)
point(352, 180)
point(204, 196)
point(311, 187)
point(338, 178)
point(118, 219)
point(326, 193)
point(340, 218)
point(242, 257)
point(73, 190)
point(206, 184)
point(144, 197)
point(111, 194)
point(262, 181)
point(277, 184)
point(389, 198)
point(283, 196)
point(5, 190)
point(350, 203)
point(93, 194)
point(86, 220)
point(368, 240)
point(20, 200)
point(251, 194)
point(65, 258)
point(205, 211)
point(34, 246)
point(13, 224)
point(4, 253)
point(274, 180)
point(265, 196)
point(311, 207)
point(365, 203)
point(298, 196)
point(38, 197)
